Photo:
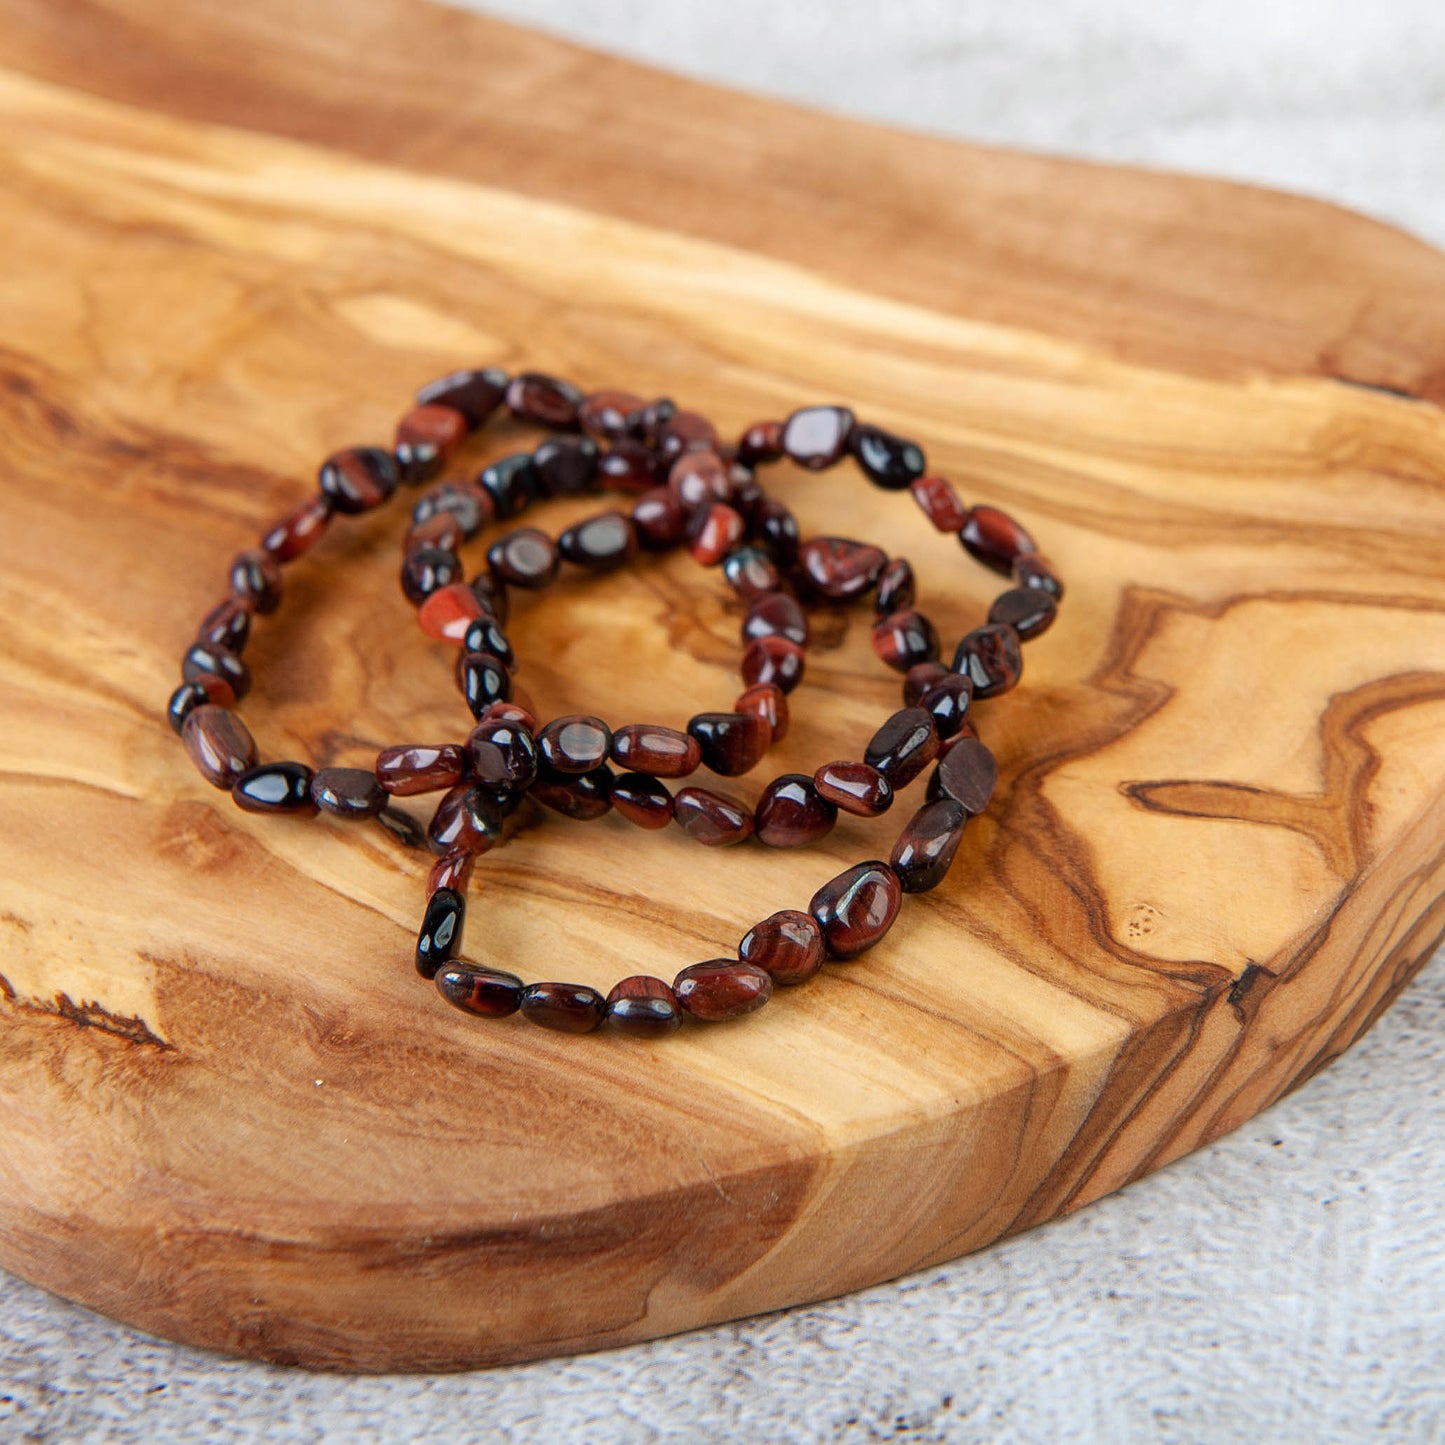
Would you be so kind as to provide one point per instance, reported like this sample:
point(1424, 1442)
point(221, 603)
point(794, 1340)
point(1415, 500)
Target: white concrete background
point(1286, 1284)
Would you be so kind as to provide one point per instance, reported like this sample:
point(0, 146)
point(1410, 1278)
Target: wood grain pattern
point(231, 1114)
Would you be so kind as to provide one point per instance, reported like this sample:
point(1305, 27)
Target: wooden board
point(236, 238)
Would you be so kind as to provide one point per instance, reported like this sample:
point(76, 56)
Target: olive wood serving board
point(238, 237)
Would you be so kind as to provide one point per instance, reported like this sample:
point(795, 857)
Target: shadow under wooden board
point(237, 238)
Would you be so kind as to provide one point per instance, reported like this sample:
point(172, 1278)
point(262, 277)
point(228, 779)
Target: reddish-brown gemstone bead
point(925, 848)
point(777, 527)
point(751, 573)
point(857, 788)
point(903, 746)
point(566, 466)
point(484, 680)
point(476, 394)
point(489, 992)
point(603, 415)
point(600, 543)
point(299, 530)
point(660, 520)
point(787, 946)
point(357, 479)
point(468, 502)
point(281, 788)
point(904, 639)
point(698, 479)
point(920, 677)
point(761, 442)
point(767, 701)
point(711, 818)
point(348, 792)
point(503, 754)
point(839, 568)
point(731, 743)
point(449, 611)
point(1030, 611)
point(776, 614)
point(569, 1008)
point(582, 796)
point(857, 908)
point(888, 461)
point(629, 466)
point(427, 438)
point(428, 570)
point(792, 813)
point(545, 400)
point(994, 538)
point(947, 702)
point(642, 800)
point(1032, 570)
point(227, 625)
point(715, 532)
point(420, 768)
point(466, 818)
point(575, 743)
point(184, 701)
point(967, 773)
point(897, 587)
point(441, 531)
point(511, 483)
point(647, 423)
point(817, 436)
point(440, 935)
point(686, 431)
point(218, 743)
point(774, 660)
point(659, 751)
point(485, 636)
point(511, 711)
point(990, 658)
point(202, 659)
point(940, 503)
point(723, 988)
point(256, 576)
point(452, 870)
point(643, 1007)
point(524, 557)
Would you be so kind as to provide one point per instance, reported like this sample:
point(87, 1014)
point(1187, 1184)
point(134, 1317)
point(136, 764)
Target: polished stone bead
point(750, 572)
point(774, 660)
point(256, 577)
point(857, 908)
point(817, 436)
point(787, 946)
point(994, 538)
point(566, 466)
point(183, 702)
point(546, 400)
point(227, 625)
point(476, 394)
point(359, 478)
point(731, 743)
point(686, 431)
point(642, 800)
point(967, 773)
point(441, 531)
point(919, 678)
point(711, 818)
point(203, 659)
point(903, 746)
point(947, 702)
point(283, 788)
point(483, 635)
point(660, 520)
point(776, 614)
point(630, 467)
point(897, 587)
point(792, 813)
point(925, 848)
point(299, 530)
point(904, 639)
point(643, 1007)
point(524, 557)
point(582, 796)
point(218, 743)
point(503, 754)
point(452, 870)
point(427, 438)
point(940, 503)
point(441, 931)
point(401, 827)
point(857, 788)
point(348, 792)
point(600, 543)
point(472, 506)
point(575, 743)
point(568, 1008)
point(990, 658)
point(511, 484)
point(492, 593)
point(428, 570)
point(723, 988)
point(467, 818)
point(420, 768)
point(484, 680)
point(491, 993)
point(840, 569)
point(698, 479)
point(761, 442)
point(603, 414)
point(659, 751)
point(448, 612)
point(1035, 571)
point(767, 701)
point(1030, 611)
point(648, 422)
point(777, 528)
point(715, 531)
point(511, 711)
point(888, 461)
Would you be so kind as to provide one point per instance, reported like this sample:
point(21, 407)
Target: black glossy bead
point(484, 635)
point(524, 557)
point(348, 792)
point(777, 528)
point(441, 931)
point(503, 754)
point(1030, 611)
point(888, 461)
point(275, 788)
point(990, 658)
point(817, 436)
point(485, 680)
point(476, 394)
point(947, 702)
point(428, 569)
point(566, 466)
point(582, 796)
point(903, 746)
point(183, 701)
point(925, 848)
point(512, 484)
point(359, 478)
point(600, 543)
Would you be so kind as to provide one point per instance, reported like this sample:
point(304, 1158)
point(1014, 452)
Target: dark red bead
point(204, 659)
point(603, 415)
point(686, 431)
point(484, 680)
point(714, 533)
point(1030, 611)
point(990, 658)
point(348, 792)
point(503, 754)
point(776, 614)
point(299, 530)
point(711, 818)
point(428, 570)
point(698, 479)
point(452, 870)
point(256, 576)
point(660, 520)
point(904, 639)
point(357, 479)
point(569, 1008)
point(888, 461)
point(787, 946)
point(903, 746)
point(524, 557)
point(750, 572)
point(600, 543)
point(566, 467)
point(925, 848)
point(630, 467)
point(994, 538)
point(546, 400)
point(512, 712)
point(227, 625)
point(947, 702)
point(420, 768)
point(183, 702)
point(511, 484)
point(940, 503)
point(857, 908)
point(642, 800)
point(643, 1007)
point(1032, 570)
point(747, 493)
point(857, 788)
point(761, 442)
point(817, 436)
point(575, 743)
point(427, 438)
point(483, 635)
point(472, 506)
point(218, 743)
point(440, 935)
point(777, 529)
point(774, 660)
point(476, 394)
point(724, 988)
point(731, 743)
point(488, 992)
point(920, 677)
point(448, 612)
point(659, 751)
point(581, 796)
point(792, 813)
point(442, 532)
point(466, 818)
point(897, 587)
point(282, 788)
point(767, 701)
point(967, 773)
point(839, 568)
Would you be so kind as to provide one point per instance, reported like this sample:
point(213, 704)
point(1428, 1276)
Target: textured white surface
point(1286, 1284)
